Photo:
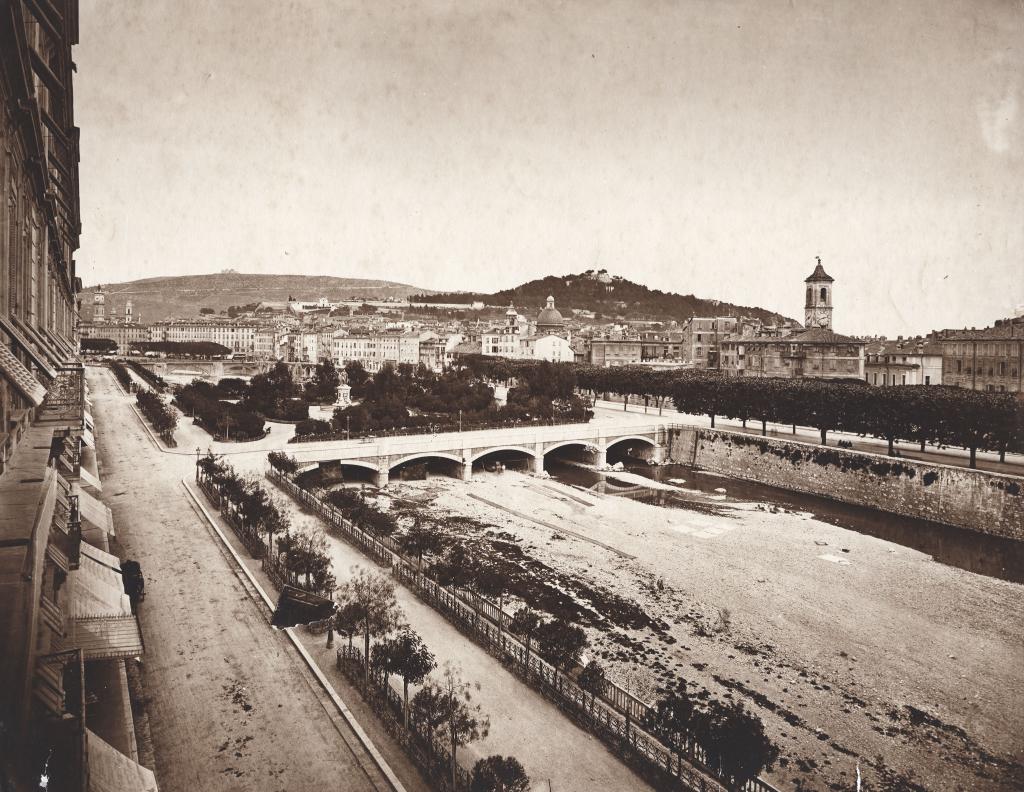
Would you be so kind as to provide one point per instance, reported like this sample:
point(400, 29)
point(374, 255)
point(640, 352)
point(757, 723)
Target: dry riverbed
point(851, 649)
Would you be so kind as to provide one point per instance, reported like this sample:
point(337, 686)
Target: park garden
point(410, 398)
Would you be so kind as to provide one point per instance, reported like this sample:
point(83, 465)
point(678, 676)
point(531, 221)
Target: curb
point(353, 724)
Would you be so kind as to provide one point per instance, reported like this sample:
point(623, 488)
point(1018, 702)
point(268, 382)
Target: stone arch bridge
point(382, 455)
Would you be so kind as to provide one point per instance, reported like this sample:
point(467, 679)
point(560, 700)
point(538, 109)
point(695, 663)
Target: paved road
point(231, 705)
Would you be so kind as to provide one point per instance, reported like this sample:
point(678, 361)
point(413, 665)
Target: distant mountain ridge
point(609, 296)
point(155, 299)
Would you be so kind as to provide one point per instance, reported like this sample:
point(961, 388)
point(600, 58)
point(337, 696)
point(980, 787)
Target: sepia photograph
point(488, 396)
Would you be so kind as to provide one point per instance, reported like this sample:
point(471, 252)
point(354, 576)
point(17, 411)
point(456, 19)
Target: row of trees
point(200, 349)
point(444, 706)
point(103, 346)
point(162, 417)
point(155, 381)
point(926, 414)
point(224, 420)
point(259, 519)
point(122, 375)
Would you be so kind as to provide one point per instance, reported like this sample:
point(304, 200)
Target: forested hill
point(609, 298)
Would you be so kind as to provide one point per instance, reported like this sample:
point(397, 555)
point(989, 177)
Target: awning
point(48, 686)
point(52, 615)
point(96, 588)
point(105, 637)
point(88, 479)
point(87, 437)
point(296, 606)
point(42, 345)
point(58, 556)
point(37, 358)
point(93, 511)
point(112, 771)
point(21, 376)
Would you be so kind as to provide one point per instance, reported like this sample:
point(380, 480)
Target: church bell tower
point(818, 307)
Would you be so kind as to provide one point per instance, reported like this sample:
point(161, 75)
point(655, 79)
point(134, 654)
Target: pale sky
point(708, 147)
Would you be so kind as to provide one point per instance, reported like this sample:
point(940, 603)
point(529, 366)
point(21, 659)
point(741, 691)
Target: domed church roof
point(549, 315)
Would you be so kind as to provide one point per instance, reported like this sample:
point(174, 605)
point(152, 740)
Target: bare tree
point(448, 705)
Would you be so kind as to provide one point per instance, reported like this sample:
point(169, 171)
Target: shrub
point(312, 426)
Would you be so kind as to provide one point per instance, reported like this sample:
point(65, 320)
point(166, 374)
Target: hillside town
point(395, 332)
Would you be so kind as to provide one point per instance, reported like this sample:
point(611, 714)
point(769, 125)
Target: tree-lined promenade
point(925, 414)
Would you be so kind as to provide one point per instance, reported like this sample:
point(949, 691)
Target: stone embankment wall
point(980, 501)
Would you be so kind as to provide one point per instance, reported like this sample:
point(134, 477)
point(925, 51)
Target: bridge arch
point(392, 464)
point(359, 463)
point(480, 454)
point(581, 443)
point(612, 443)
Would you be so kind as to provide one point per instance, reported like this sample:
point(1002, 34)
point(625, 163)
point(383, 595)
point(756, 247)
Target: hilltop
point(154, 299)
point(609, 297)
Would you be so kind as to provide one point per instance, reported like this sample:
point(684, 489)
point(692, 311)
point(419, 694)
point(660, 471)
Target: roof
point(550, 315)
point(467, 348)
point(820, 335)
point(1007, 329)
point(816, 335)
point(819, 274)
point(296, 606)
point(909, 346)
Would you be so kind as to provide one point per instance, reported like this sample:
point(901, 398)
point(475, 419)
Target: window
point(927, 380)
point(959, 367)
point(810, 295)
point(904, 378)
point(824, 294)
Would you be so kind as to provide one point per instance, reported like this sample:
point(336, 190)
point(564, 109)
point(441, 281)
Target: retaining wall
point(990, 503)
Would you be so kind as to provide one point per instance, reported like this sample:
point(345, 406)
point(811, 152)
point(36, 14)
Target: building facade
point(990, 359)
point(66, 625)
point(39, 208)
point(912, 361)
point(615, 352)
point(702, 337)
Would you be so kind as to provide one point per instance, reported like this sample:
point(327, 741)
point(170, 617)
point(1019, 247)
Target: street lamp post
point(460, 421)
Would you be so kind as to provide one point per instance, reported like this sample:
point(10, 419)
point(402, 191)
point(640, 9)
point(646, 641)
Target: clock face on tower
point(818, 317)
